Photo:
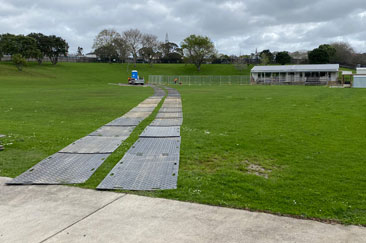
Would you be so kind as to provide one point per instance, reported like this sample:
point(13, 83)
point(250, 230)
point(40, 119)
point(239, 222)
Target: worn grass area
point(288, 150)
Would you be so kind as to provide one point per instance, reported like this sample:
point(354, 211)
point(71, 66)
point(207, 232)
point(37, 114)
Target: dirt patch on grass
point(256, 167)
point(258, 170)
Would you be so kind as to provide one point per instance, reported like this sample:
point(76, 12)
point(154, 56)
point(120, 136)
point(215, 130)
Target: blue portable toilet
point(135, 74)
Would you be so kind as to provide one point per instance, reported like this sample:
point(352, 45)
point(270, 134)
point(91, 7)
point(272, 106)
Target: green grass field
point(283, 149)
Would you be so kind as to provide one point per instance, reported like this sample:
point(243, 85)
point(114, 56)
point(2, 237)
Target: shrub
point(19, 61)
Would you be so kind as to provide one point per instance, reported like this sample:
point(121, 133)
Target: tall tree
point(329, 49)
point(121, 48)
point(133, 39)
point(19, 44)
point(26, 46)
point(197, 48)
point(283, 58)
point(150, 47)
point(7, 42)
point(171, 52)
point(359, 58)
point(42, 44)
point(344, 53)
point(318, 56)
point(106, 44)
point(106, 52)
point(266, 57)
point(168, 47)
point(19, 47)
point(55, 48)
point(36, 45)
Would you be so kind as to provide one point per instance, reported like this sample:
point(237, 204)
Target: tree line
point(338, 52)
point(34, 45)
point(110, 45)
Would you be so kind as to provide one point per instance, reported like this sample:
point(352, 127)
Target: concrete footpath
point(69, 214)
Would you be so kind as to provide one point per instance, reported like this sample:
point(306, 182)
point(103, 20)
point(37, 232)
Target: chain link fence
point(199, 80)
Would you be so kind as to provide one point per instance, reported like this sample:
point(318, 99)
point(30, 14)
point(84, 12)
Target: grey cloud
point(235, 26)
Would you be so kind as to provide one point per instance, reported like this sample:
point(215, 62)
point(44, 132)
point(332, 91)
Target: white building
point(91, 55)
point(359, 79)
point(295, 74)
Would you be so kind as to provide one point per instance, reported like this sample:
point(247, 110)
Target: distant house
point(91, 55)
point(295, 74)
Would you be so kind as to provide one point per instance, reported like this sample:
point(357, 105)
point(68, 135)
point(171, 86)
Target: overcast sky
point(234, 26)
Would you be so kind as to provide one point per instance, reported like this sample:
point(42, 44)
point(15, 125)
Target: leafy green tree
point(168, 47)
point(107, 52)
point(266, 57)
point(318, 56)
point(329, 49)
point(19, 61)
point(107, 44)
point(26, 46)
point(197, 48)
point(50, 46)
point(283, 58)
point(35, 45)
point(150, 47)
point(19, 47)
point(147, 53)
point(7, 44)
point(225, 59)
point(173, 57)
point(18, 44)
point(56, 47)
point(42, 45)
point(121, 48)
point(1, 47)
point(171, 53)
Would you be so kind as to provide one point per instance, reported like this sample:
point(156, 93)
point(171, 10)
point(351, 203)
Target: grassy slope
point(44, 108)
point(312, 138)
